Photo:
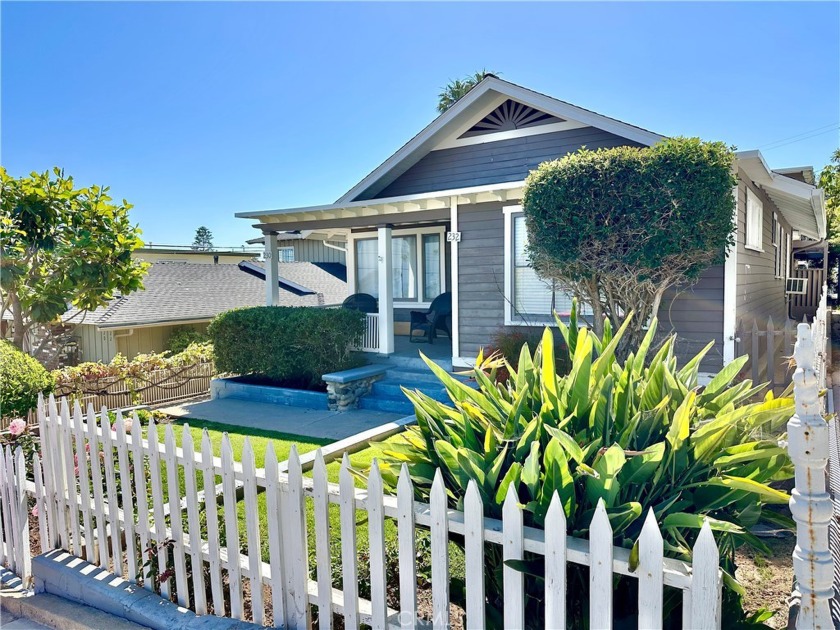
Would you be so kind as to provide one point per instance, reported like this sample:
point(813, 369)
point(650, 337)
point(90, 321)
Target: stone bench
point(345, 388)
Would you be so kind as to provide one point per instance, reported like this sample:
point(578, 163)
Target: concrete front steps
point(411, 373)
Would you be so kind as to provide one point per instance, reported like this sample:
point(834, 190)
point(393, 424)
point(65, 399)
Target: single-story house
point(190, 295)
point(443, 214)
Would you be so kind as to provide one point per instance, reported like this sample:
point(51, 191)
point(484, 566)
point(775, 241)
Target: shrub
point(182, 337)
point(639, 435)
point(22, 378)
point(508, 343)
point(286, 345)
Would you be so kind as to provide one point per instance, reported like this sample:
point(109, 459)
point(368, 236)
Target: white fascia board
point(163, 322)
point(503, 90)
point(443, 195)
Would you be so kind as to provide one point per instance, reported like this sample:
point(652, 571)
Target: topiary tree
point(22, 378)
point(619, 227)
point(61, 247)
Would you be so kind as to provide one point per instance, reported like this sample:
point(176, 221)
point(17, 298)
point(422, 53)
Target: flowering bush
point(22, 378)
point(97, 378)
point(19, 435)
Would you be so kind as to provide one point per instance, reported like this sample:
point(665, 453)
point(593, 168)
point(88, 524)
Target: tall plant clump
point(22, 378)
point(619, 227)
point(640, 434)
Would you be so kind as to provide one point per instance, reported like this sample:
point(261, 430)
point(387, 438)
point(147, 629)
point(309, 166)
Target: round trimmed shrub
point(22, 378)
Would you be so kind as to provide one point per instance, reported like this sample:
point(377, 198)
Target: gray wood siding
point(492, 162)
point(481, 275)
point(314, 250)
point(759, 294)
point(695, 314)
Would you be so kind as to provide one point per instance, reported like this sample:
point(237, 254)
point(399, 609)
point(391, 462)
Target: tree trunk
point(19, 332)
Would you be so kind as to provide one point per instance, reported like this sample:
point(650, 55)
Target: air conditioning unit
point(796, 286)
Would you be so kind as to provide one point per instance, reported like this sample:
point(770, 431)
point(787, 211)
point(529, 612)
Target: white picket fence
point(109, 517)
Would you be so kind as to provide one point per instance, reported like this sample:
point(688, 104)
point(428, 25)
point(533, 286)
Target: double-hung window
point(416, 265)
point(529, 299)
point(754, 222)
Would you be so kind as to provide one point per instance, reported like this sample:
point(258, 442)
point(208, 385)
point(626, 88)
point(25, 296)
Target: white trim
point(509, 211)
point(730, 291)
point(438, 199)
point(272, 271)
point(454, 248)
point(490, 89)
point(566, 125)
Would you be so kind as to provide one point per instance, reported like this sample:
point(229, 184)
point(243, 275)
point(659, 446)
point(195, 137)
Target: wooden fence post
point(810, 504)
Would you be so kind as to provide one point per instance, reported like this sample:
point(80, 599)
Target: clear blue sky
point(194, 111)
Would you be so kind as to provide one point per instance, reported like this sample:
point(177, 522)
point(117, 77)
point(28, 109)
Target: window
point(779, 244)
point(286, 254)
point(530, 299)
point(755, 222)
point(417, 261)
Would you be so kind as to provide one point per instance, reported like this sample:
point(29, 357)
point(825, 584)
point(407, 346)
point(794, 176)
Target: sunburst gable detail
point(509, 116)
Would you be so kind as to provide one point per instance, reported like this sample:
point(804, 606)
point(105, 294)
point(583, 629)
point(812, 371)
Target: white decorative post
point(810, 504)
point(386, 291)
point(272, 273)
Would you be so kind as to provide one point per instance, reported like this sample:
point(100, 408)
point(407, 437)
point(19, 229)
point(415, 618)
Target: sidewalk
point(316, 423)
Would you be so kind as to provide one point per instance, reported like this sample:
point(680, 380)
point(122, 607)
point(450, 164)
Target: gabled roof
point(463, 116)
point(188, 292)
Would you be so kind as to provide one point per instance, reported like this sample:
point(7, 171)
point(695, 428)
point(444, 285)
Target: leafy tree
point(203, 239)
point(619, 227)
point(830, 183)
point(453, 91)
point(61, 247)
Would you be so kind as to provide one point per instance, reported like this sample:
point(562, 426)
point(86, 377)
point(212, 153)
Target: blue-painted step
point(387, 394)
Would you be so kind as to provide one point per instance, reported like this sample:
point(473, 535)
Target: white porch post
point(386, 291)
point(272, 287)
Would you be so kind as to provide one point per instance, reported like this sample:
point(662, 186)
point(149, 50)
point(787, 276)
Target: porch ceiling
point(393, 210)
point(803, 205)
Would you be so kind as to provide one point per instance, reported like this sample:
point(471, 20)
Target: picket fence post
point(810, 503)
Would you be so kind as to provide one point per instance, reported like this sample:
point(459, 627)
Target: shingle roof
point(189, 291)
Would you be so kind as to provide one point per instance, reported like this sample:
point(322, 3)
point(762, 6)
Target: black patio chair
point(425, 324)
point(363, 302)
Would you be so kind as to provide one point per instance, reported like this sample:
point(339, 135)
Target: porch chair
point(363, 302)
point(425, 324)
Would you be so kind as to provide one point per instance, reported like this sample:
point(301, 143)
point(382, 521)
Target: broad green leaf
point(606, 485)
point(511, 477)
point(770, 495)
point(531, 470)
point(723, 378)
point(695, 521)
point(568, 443)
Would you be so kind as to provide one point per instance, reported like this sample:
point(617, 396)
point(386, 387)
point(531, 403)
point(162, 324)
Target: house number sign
point(453, 237)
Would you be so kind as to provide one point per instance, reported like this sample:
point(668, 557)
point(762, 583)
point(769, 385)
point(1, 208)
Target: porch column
point(386, 291)
point(272, 287)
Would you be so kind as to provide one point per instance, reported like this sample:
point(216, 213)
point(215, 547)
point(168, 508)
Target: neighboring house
point(190, 295)
point(186, 253)
point(443, 214)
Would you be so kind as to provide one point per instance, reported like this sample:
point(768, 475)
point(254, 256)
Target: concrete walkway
point(316, 423)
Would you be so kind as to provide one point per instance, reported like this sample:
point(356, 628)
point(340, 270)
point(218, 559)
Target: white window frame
point(510, 318)
point(282, 250)
point(754, 223)
point(418, 232)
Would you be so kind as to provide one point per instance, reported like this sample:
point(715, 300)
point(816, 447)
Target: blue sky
point(194, 111)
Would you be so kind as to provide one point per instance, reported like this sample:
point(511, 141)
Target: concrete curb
point(74, 579)
point(53, 611)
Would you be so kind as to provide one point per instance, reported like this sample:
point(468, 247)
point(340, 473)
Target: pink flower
point(129, 424)
point(17, 427)
point(76, 470)
point(35, 511)
point(76, 459)
point(102, 455)
point(87, 447)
